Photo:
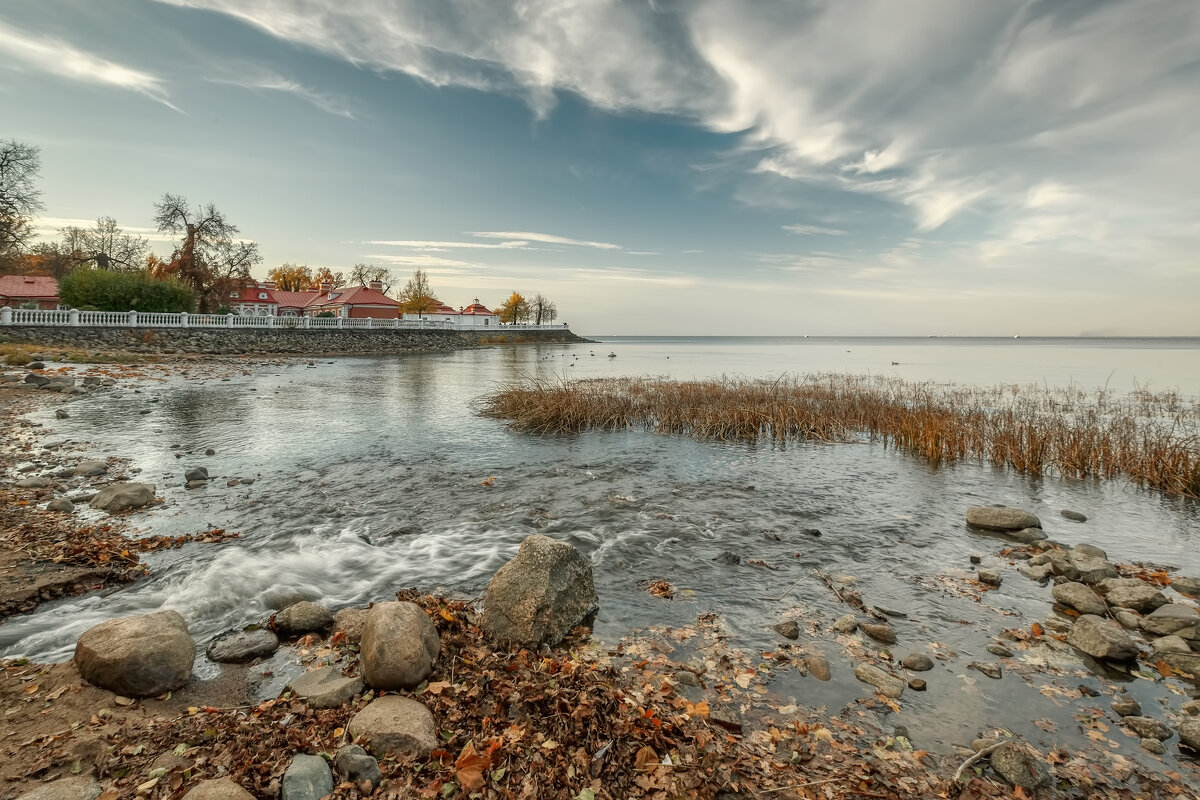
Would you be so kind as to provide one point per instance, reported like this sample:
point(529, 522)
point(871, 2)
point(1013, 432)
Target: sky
point(670, 167)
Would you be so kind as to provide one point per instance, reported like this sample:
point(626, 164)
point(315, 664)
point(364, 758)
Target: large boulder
point(1079, 597)
point(325, 687)
point(65, 789)
point(1189, 732)
point(398, 647)
point(140, 656)
point(395, 725)
point(1131, 593)
point(307, 778)
point(1173, 618)
point(123, 496)
point(1091, 563)
point(1102, 639)
point(1000, 518)
point(539, 596)
point(90, 469)
point(218, 789)
point(1186, 585)
point(1020, 765)
point(301, 618)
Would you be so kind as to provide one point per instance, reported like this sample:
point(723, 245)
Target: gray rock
point(1172, 618)
point(60, 413)
point(1039, 572)
point(123, 496)
point(33, 483)
point(817, 666)
point(879, 631)
point(1186, 585)
point(350, 621)
point(999, 650)
point(1019, 536)
point(399, 645)
point(1079, 597)
point(60, 504)
point(1187, 664)
point(999, 518)
point(1126, 706)
point(1074, 516)
point(65, 789)
point(989, 668)
point(989, 577)
point(90, 469)
point(326, 687)
point(1102, 639)
point(685, 677)
point(1091, 563)
point(540, 595)
point(301, 618)
point(887, 684)
point(238, 647)
point(729, 557)
point(1056, 624)
point(845, 624)
point(916, 684)
point(140, 656)
point(307, 778)
point(357, 766)
point(196, 474)
point(1153, 746)
point(917, 662)
point(1148, 728)
point(394, 724)
point(218, 789)
point(975, 558)
point(1128, 619)
point(1189, 732)
point(1020, 765)
point(788, 629)
point(195, 484)
point(1191, 707)
point(1170, 644)
point(1131, 593)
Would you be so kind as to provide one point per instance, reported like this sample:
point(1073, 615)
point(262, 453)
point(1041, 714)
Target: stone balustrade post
point(73, 317)
point(308, 322)
point(183, 319)
point(132, 319)
point(6, 316)
point(229, 320)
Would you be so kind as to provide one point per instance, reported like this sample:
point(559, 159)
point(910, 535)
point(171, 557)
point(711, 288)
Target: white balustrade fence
point(136, 319)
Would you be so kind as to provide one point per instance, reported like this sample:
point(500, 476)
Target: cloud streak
point(274, 82)
point(544, 238)
point(63, 60)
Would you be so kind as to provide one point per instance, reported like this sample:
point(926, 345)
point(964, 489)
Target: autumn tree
point(515, 309)
point(20, 199)
point(291, 278)
point(542, 310)
point(105, 246)
point(326, 275)
point(210, 258)
point(363, 274)
point(417, 296)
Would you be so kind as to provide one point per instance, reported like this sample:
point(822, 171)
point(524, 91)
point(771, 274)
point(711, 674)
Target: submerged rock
point(1125, 706)
point(1000, 650)
point(140, 656)
point(1074, 516)
point(238, 647)
point(989, 668)
point(989, 577)
point(91, 469)
point(1000, 518)
point(879, 631)
point(196, 474)
point(788, 629)
point(1020, 765)
point(540, 595)
point(918, 662)
point(1102, 639)
point(399, 645)
point(1147, 728)
point(845, 624)
point(301, 618)
point(818, 667)
point(887, 684)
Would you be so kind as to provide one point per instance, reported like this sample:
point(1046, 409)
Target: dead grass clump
point(1153, 439)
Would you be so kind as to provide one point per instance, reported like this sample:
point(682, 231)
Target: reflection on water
point(369, 476)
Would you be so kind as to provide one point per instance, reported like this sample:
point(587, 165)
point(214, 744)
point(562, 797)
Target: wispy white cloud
point(266, 80)
point(544, 238)
point(430, 245)
point(419, 261)
point(64, 60)
point(813, 230)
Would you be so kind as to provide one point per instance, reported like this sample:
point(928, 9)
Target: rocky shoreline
point(425, 696)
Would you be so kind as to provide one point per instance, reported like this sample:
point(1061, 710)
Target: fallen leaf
point(646, 759)
point(437, 687)
point(469, 767)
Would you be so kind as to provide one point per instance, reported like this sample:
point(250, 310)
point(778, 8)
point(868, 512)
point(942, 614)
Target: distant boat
point(612, 355)
point(1016, 337)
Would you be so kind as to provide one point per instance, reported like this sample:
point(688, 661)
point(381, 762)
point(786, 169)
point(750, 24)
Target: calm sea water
point(369, 475)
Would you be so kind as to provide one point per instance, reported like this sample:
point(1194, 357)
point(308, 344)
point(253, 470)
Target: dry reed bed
point(1153, 439)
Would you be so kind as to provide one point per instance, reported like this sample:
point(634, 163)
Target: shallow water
point(368, 479)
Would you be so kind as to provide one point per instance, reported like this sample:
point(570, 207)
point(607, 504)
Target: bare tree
point(363, 274)
point(542, 310)
point(210, 257)
point(20, 199)
point(105, 246)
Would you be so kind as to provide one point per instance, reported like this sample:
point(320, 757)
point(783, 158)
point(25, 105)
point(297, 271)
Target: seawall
point(252, 341)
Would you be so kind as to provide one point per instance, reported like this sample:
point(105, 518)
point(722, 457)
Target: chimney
point(325, 287)
point(376, 285)
point(269, 285)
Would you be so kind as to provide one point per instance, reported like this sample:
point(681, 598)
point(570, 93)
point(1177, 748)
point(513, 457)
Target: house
point(28, 291)
point(292, 304)
point(478, 316)
point(354, 302)
point(253, 300)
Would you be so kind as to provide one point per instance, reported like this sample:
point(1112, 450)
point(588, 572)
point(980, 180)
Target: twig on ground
point(958, 773)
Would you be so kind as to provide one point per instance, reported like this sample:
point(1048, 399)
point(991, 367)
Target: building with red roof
point(28, 291)
point(354, 302)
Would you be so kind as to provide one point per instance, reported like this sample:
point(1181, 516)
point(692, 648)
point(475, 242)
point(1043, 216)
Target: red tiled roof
point(355, 296)
point(477, 309)
point(250, 294)
point(30, 286)
point(294, 299)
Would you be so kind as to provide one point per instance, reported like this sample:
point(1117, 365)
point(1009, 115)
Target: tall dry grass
point(1151, 438)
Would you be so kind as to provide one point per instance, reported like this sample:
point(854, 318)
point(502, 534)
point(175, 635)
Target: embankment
point(253, 341)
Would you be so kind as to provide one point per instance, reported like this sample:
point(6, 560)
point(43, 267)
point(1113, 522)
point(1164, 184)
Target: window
point(262, 295)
